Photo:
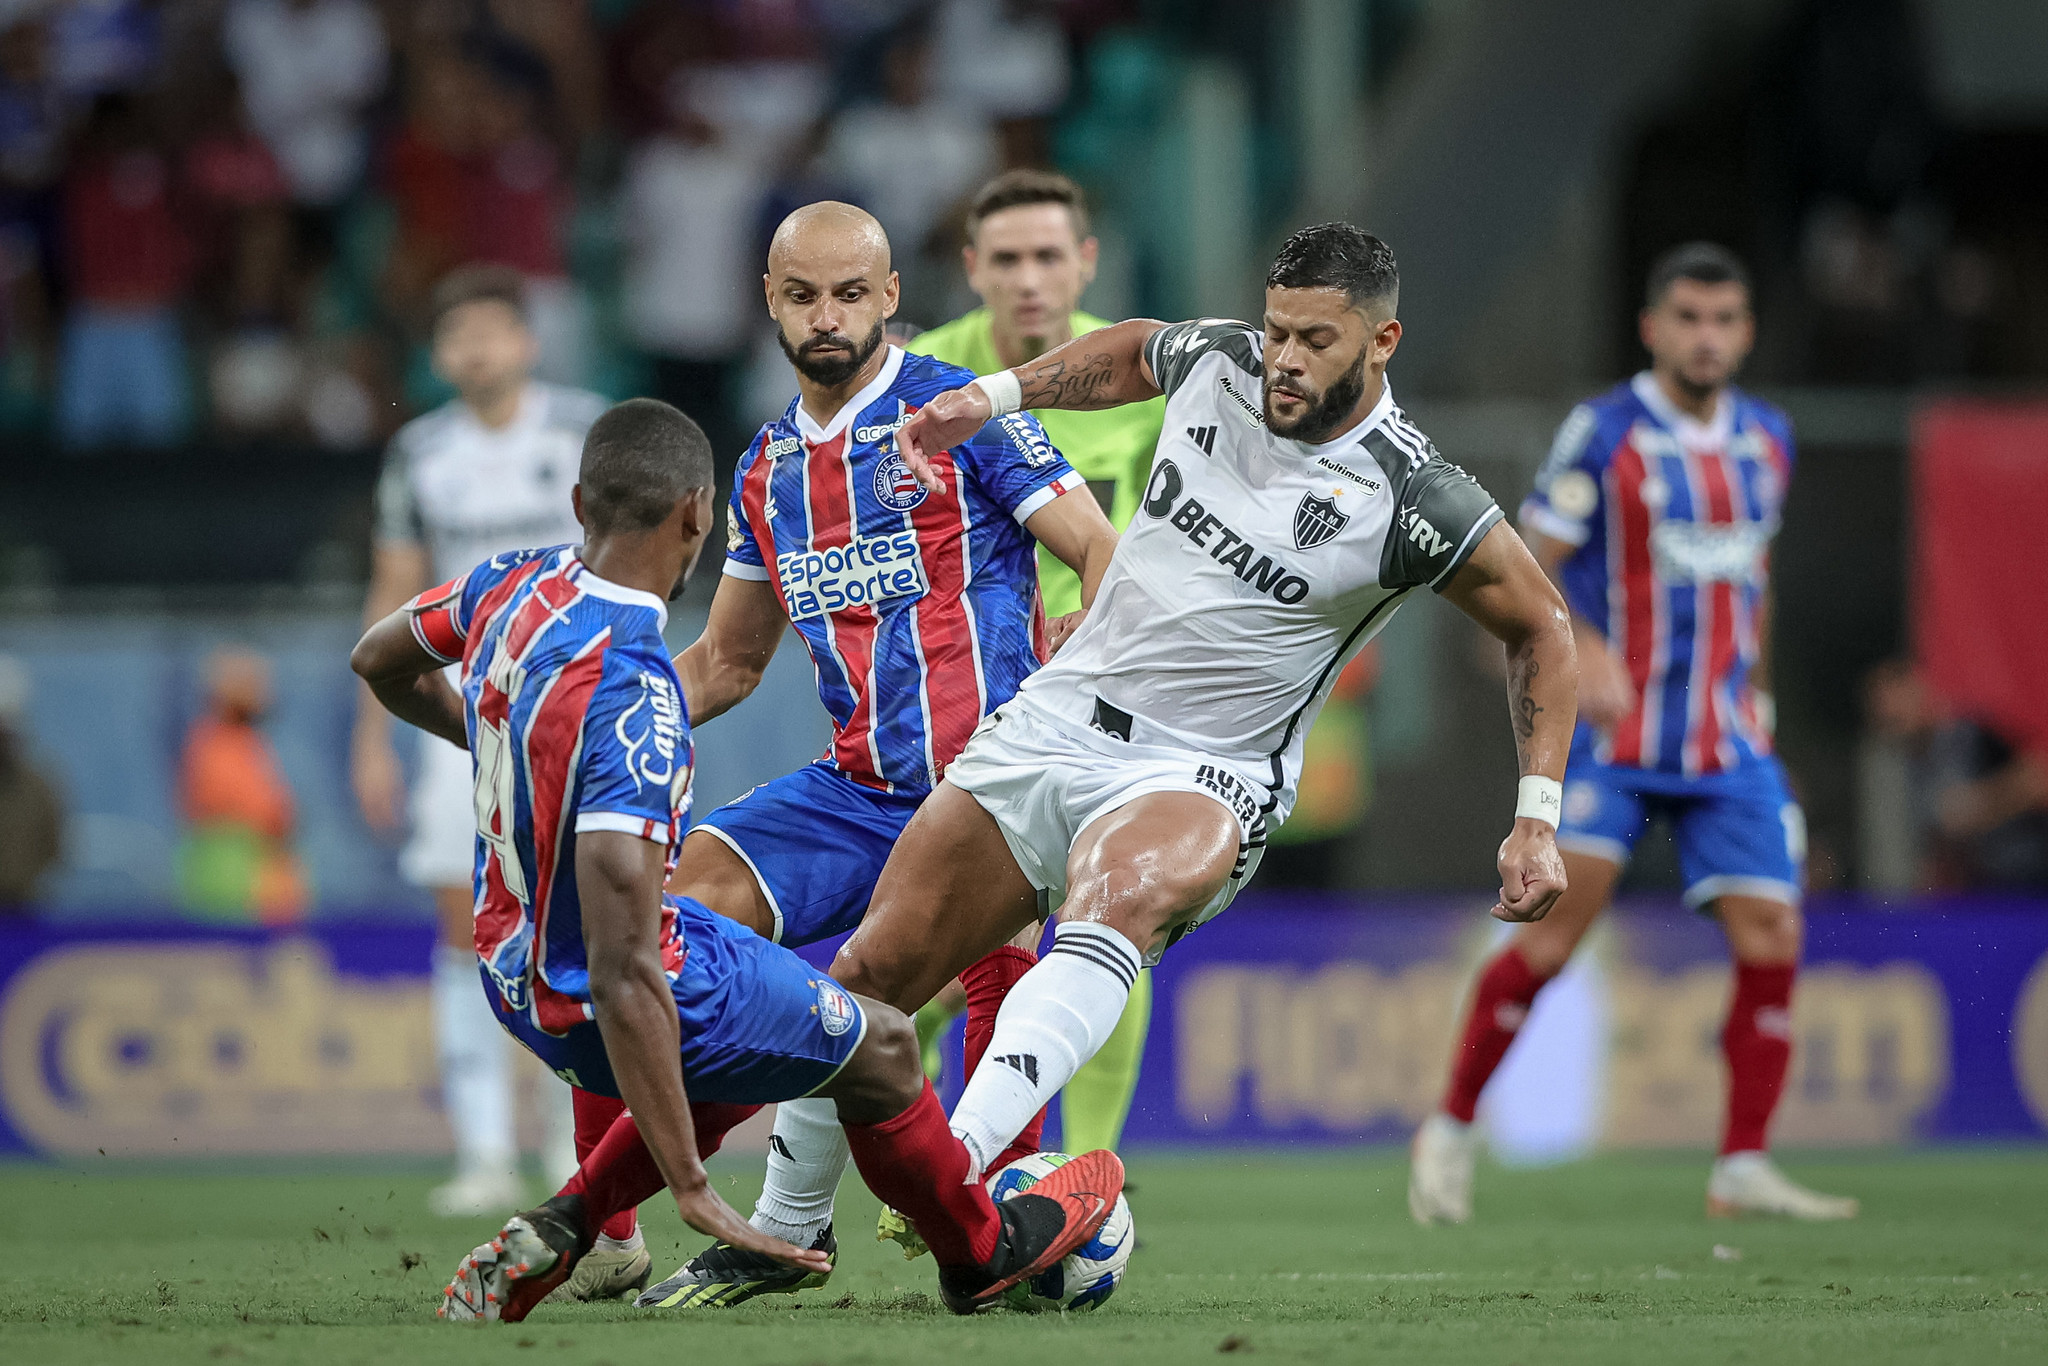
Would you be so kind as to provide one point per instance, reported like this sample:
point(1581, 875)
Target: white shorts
point(442, 850)
point(1044, 783)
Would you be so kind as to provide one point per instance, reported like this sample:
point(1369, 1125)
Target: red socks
point(915, 1165)
point(987, 982)
point(1500, 1002)
point(1757, 1041)
point(619, 1172)
point(595, 1115)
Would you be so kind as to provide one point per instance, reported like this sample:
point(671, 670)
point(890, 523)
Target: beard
point(1325, 413)
point(1703, 378)
point(833, 368)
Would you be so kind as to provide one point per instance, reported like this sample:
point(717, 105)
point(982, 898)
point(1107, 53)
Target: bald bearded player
point(920, 609)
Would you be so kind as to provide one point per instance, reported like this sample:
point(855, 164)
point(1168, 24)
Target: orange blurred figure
point(237, 860)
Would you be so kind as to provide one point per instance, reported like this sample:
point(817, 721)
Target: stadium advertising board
point(1291, 1019)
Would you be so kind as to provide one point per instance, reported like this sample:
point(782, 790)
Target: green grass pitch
point(1276, 1257)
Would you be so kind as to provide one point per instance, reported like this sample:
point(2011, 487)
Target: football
point(1088, 1275)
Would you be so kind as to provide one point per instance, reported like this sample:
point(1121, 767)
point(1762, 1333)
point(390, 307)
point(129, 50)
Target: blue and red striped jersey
point(1672, 521)
point(920, 609)
point(576, 723)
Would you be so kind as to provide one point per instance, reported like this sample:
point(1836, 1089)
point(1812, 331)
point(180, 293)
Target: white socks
point(476, 1067)
point(806, 1157)
point(1053, 1020)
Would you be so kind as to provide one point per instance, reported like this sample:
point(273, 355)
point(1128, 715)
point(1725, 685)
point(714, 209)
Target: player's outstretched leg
point(1442, 1156)
point(1757, 1043)
point(1132, 875)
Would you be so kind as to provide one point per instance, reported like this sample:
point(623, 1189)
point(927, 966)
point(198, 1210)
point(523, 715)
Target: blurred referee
point(486, 472)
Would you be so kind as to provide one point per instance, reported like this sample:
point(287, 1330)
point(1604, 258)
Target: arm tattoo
point(1058, 384)
point(1522, 670)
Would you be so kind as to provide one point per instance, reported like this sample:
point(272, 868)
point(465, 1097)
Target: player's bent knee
point(1143, 906)
point(1762, 931)
point(883, 1078)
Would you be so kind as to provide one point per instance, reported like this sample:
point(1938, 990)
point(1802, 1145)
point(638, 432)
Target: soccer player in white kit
point(1291, 508)
point(486, 472)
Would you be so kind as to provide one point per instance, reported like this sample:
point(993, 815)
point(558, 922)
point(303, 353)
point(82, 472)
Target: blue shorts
point(758, 1023)
point(1738, 834)
point(816, 841)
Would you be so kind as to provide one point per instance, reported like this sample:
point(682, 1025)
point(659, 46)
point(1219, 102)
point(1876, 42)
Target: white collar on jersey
point(533, 407)
point(892, 364)
point(587, 579)
point(1690, 431)
point(1357, 434)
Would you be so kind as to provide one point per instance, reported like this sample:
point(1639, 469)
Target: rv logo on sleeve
point(1316, 520)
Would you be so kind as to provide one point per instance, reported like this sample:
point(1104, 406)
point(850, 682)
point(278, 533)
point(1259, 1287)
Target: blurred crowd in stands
point(223, 217)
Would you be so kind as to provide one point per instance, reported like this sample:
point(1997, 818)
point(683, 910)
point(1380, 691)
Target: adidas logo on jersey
point(1205, 437)
point(1027, 1063)
point(1425, 536)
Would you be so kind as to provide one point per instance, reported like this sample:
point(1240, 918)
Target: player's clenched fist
point(1531, 872)
point(945, 422)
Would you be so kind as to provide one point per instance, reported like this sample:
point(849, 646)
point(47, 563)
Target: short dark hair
point(1338, 256)
point(1709, 263)
point(1014, 189)
point(478, 284)
point(639, 458)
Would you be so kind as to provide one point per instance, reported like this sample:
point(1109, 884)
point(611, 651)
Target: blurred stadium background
point(220, 220)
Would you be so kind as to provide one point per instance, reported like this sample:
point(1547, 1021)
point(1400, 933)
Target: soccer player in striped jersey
point(1655, 514)
point(1029, 256)
point(574, 720)
point(921, 613)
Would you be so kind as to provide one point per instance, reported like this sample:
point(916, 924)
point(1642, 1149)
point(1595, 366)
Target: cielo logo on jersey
point(869, 570)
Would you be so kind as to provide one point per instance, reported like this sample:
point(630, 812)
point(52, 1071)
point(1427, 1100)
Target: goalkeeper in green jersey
point(1029, 256)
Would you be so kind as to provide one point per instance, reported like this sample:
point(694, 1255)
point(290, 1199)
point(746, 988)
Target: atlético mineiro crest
point(835, 1008)
point(895, 486)
point(1316, 520)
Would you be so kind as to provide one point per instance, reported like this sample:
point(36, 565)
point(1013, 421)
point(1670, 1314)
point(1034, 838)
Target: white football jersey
point(467, 492)
point(1256, 566)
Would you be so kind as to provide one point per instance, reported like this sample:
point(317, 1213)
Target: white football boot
point(1750, 1183)
point(1440, 1171)
point(609, 1271)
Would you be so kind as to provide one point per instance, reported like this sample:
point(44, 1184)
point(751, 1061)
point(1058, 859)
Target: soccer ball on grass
point(1089, 1274)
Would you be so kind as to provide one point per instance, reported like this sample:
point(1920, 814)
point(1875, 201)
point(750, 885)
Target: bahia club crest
point(1316, 520)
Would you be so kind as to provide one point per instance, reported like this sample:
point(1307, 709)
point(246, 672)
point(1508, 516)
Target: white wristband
point(1540, 799)
point(1003, 390)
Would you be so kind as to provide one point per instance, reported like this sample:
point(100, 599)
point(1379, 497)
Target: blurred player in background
point(582, 755)
point(1655, 514)
point(920, 611)
point(1029, 257)
point(488, 471)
